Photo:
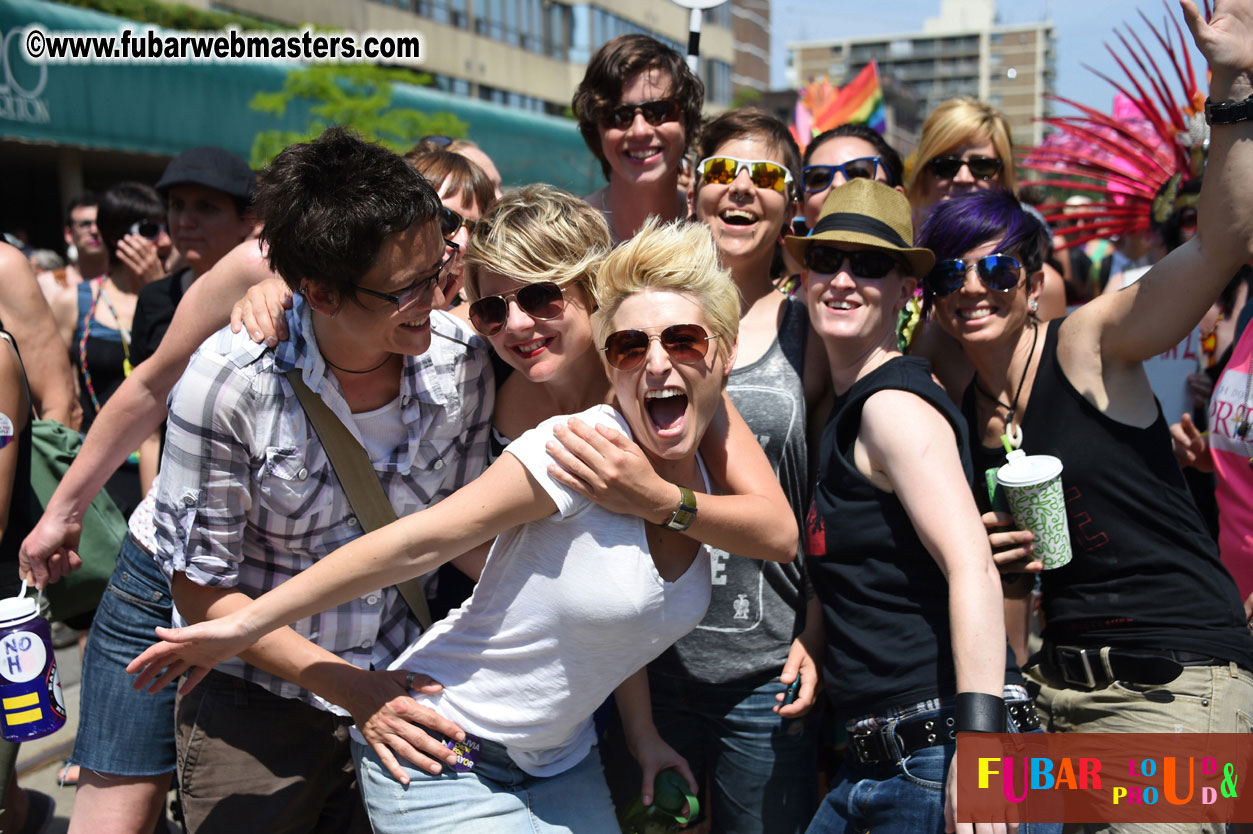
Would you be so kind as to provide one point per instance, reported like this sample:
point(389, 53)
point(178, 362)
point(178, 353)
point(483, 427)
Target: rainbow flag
point(860, 101)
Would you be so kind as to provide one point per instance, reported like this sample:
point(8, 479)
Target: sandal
point(67, 775)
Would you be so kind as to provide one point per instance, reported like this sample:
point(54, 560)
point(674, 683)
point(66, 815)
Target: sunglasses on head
point(543, 300)
point(147, 228)
point(722, 170)
point(999, 273)
point(421, 291)
point(817, 178)
point(981, 167)
point(450, 222)
point(656, 112)
point(686, 344)
point(864, 263)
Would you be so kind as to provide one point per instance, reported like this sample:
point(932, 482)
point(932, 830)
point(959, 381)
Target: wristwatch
point(1228, 112)
point(686, 512)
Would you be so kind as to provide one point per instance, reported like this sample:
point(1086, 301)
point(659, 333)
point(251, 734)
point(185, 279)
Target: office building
point(531, 54)
point(962, 52)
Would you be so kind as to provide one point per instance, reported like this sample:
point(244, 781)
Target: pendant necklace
point(1012, 438)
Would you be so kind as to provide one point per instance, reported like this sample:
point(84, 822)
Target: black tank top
point(884, 598)
point(1145, 572)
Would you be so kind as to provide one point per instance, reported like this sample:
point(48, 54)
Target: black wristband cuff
point(978, 712)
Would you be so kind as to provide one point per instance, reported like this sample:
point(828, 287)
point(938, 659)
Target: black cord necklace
point(1013, 432)
point(351, 371)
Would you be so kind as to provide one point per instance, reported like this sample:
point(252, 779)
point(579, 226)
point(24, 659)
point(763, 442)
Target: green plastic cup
point(1033, 486)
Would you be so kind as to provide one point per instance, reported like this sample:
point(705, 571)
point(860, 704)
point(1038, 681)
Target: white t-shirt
point(567, 608)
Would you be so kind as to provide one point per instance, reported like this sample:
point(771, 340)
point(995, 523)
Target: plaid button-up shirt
point(247, 498)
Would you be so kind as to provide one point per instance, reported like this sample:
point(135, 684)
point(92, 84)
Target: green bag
point(53, 448)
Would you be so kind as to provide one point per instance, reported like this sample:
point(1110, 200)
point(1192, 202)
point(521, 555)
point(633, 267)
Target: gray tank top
point(757, 607)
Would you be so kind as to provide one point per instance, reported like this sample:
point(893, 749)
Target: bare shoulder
point(893, 419)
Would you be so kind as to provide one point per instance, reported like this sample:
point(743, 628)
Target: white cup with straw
point(1033, 487)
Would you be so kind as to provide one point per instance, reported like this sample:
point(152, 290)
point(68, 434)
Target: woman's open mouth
point(667, 410)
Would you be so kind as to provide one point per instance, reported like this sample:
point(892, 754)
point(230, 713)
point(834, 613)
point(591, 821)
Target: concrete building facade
point(531, 54)
point(962, 52)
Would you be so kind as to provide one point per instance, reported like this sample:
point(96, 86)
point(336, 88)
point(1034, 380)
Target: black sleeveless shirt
point(884, 598)
point(1145, 572)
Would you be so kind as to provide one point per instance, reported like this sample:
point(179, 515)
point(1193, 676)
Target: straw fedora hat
point(870, 214)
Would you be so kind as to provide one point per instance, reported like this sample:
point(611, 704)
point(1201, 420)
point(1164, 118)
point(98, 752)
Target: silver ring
point(409, 679)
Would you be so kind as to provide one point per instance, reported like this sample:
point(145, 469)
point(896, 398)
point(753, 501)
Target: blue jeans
point(121, 731)
point(497, 797)
point(902, 797)
point(762, 769)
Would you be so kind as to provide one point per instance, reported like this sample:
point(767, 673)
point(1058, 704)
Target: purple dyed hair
point(953, 227)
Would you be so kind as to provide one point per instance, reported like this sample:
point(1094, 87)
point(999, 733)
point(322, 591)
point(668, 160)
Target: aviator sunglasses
point(722, 170)
point(686, 344)
point(147, 228)
point(817, 178)
point(450, 222)
point(998, 273)
point(656, 112)
point(420, 291)
point(981, 167)
point(542, 300)
point(864, 263)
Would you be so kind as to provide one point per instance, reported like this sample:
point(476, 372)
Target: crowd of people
point(454, 508)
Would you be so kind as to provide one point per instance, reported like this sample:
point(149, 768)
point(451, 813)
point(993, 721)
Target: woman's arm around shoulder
point(752, 518)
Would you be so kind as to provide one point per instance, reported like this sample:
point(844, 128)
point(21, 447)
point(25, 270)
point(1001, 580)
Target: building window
point(717, 77)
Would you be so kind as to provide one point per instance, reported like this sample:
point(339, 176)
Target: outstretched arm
point(134, 412)
point(503, 497)
point(1159, 310)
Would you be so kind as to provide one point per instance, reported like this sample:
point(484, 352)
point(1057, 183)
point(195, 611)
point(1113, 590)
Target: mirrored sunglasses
point(543, 300)
point(999, 273)
point(817, 178)
point(981, 167)
point(722, 170)
point(686, 344)
point(656, 112)
point(864, 263)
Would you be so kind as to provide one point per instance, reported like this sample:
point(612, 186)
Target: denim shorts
point(121, 731)
point(496, 797)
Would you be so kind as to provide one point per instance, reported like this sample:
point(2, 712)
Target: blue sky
point(1083, 27)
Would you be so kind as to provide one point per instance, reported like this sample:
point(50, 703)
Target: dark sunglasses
point(686, 344)
point(543, 300)
point(981, 167)
point(722, 170)
point(819, 177)
point(421, 291)
point(999, 273)
point(656, 112)
point(450, 222)
point(147, 228)
point(864, 263)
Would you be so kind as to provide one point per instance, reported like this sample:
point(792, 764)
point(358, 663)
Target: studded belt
point(897, 740)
